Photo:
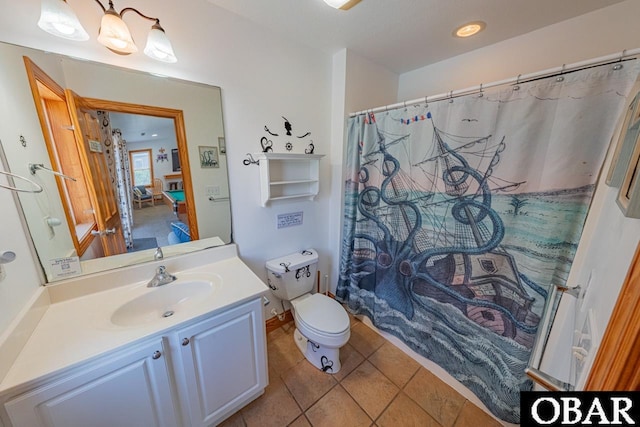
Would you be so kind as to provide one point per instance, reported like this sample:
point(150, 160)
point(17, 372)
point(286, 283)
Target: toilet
point(322, 324)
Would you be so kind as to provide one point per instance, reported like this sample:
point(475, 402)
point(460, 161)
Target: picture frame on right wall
point(625, 166)
point(629, 193)
point(625, 144)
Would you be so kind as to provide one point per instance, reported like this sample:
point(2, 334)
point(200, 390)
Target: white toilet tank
point(292, 275)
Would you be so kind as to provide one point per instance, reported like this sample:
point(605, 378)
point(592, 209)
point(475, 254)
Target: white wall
point(609, 239)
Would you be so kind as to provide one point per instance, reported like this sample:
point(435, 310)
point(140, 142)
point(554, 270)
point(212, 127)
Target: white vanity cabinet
point(129, 388)
point(195, 374)
point(221, 364)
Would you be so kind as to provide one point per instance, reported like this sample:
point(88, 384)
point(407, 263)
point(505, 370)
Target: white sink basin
point(164, 301)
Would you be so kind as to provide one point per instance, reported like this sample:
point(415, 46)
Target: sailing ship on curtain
point(460, 216)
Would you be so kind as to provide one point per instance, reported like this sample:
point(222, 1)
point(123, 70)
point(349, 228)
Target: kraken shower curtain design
point(461, 216)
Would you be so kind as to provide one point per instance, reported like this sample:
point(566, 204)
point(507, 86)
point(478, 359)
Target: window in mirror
point(141, 170)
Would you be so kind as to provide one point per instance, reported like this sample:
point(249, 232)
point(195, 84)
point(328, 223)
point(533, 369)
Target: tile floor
point(378, 385)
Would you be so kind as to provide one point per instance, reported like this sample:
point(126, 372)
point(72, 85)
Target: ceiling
point(141, 128)
point(404, 35)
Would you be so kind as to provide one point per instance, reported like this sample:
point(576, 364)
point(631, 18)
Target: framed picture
point(625, 144)
point(222, 145)
point(629, 193)
point(208, 157)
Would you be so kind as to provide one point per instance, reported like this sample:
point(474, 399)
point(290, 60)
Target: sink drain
point(167, 313)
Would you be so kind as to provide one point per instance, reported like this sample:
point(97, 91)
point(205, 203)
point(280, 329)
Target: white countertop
point(73, 331)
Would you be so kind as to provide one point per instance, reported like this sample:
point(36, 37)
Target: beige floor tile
point(235, 420)
point(336, 409)
point(307, 383)
point(365, 340)
point(282, 352)
point(370, 389)
point(472, 416)
point(289, 327)
point(394, 363)
point(276, 407)
point(404, 412)
point(275, 334)
point(353, 320)
point(301, 421)
point(440, 401)
point(350, 359)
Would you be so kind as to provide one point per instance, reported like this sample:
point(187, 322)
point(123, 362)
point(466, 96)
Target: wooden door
point(87, 133)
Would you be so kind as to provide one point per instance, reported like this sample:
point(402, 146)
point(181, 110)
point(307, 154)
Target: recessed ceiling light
point(154, 134)
point(469, 29)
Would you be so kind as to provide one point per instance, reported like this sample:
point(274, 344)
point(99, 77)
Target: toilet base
point(324, 358)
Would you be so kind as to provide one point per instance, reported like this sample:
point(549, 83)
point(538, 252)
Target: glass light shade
point(115, 35)
point(57, 18)
point(342, 4)
point(158, 46)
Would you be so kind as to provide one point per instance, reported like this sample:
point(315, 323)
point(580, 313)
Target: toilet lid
point(323, 314)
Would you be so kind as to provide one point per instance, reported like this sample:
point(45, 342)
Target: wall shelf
point(286, 176)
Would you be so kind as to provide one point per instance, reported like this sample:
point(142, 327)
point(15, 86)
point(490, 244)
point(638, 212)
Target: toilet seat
point(321, 314)
point(322, 320)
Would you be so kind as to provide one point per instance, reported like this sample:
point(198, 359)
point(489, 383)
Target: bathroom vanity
point(188, 353)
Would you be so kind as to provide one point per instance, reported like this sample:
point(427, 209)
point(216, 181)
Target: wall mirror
point(113, 137)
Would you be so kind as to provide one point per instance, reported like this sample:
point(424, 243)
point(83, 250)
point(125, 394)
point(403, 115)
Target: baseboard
point(274, 323)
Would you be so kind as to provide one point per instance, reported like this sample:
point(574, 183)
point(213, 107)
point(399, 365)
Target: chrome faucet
point(161, 278)
point(158, 255)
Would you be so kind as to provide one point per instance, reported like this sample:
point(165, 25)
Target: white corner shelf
point(286, 176)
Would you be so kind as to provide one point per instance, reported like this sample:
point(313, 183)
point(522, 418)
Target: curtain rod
point(522, 78)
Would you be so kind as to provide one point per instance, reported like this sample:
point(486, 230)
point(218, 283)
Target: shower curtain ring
point(619, 65)
point(517, 86)
point(561, 77)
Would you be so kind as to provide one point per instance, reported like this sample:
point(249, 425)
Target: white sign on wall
point(289, 219)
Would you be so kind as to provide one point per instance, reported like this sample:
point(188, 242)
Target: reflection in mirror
point(112, 133)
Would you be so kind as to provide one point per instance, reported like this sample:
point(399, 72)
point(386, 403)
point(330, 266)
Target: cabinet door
point(130, 388)
point(223, 360)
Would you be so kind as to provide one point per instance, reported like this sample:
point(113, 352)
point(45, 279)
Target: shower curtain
point(461, 215)
point(117, 156)
point(123, 185)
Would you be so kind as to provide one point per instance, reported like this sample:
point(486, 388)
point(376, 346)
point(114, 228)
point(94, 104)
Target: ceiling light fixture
point(469, 29)
point(342, 4)
point(57, 18)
